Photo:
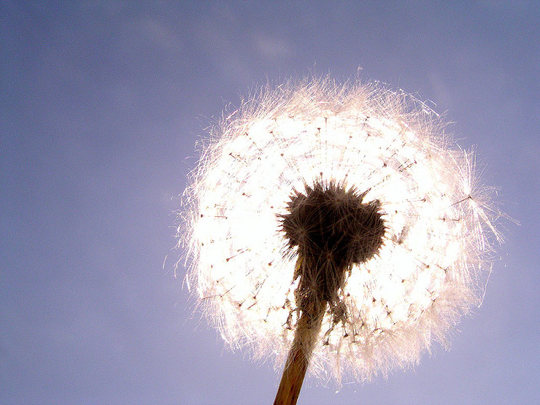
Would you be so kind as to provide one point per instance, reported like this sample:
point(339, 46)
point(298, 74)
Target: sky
point(101, 105)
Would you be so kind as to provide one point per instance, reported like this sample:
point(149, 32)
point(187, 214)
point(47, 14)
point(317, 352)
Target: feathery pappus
point(344, 211)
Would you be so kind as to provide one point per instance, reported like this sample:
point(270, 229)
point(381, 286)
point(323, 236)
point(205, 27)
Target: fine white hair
point(435, 256)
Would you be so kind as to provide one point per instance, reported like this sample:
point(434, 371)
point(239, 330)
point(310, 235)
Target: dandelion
point(336, 228)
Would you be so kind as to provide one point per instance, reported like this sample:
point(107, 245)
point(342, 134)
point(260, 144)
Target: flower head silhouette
point(337, 225)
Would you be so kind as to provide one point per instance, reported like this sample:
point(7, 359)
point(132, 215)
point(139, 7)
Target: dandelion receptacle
point(336, 229)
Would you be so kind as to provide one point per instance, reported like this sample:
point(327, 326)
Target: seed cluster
point(332, 229)
point(344, 201)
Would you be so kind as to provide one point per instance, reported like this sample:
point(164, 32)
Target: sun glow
point(384, 144)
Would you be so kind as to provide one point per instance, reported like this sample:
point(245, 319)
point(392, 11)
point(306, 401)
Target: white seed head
point(388, 147)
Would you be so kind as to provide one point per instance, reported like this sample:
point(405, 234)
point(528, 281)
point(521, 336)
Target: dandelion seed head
point(304, 163)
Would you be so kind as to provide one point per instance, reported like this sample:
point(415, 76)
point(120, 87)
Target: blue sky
point(101, 105)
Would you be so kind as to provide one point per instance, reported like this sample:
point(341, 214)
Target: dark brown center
point(332, 228)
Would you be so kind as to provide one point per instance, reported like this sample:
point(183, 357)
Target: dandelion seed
point(335, 227)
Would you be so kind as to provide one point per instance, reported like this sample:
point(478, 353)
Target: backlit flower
point(376, 164)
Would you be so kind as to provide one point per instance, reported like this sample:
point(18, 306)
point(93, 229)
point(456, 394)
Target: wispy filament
point(389, 147)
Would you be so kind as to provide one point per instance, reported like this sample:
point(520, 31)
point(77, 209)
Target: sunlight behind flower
point(428, 271)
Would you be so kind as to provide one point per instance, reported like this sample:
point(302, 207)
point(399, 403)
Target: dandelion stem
point(332, 228)
point(297, 363)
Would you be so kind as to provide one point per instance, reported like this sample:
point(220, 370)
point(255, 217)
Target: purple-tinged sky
point(101, 105)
